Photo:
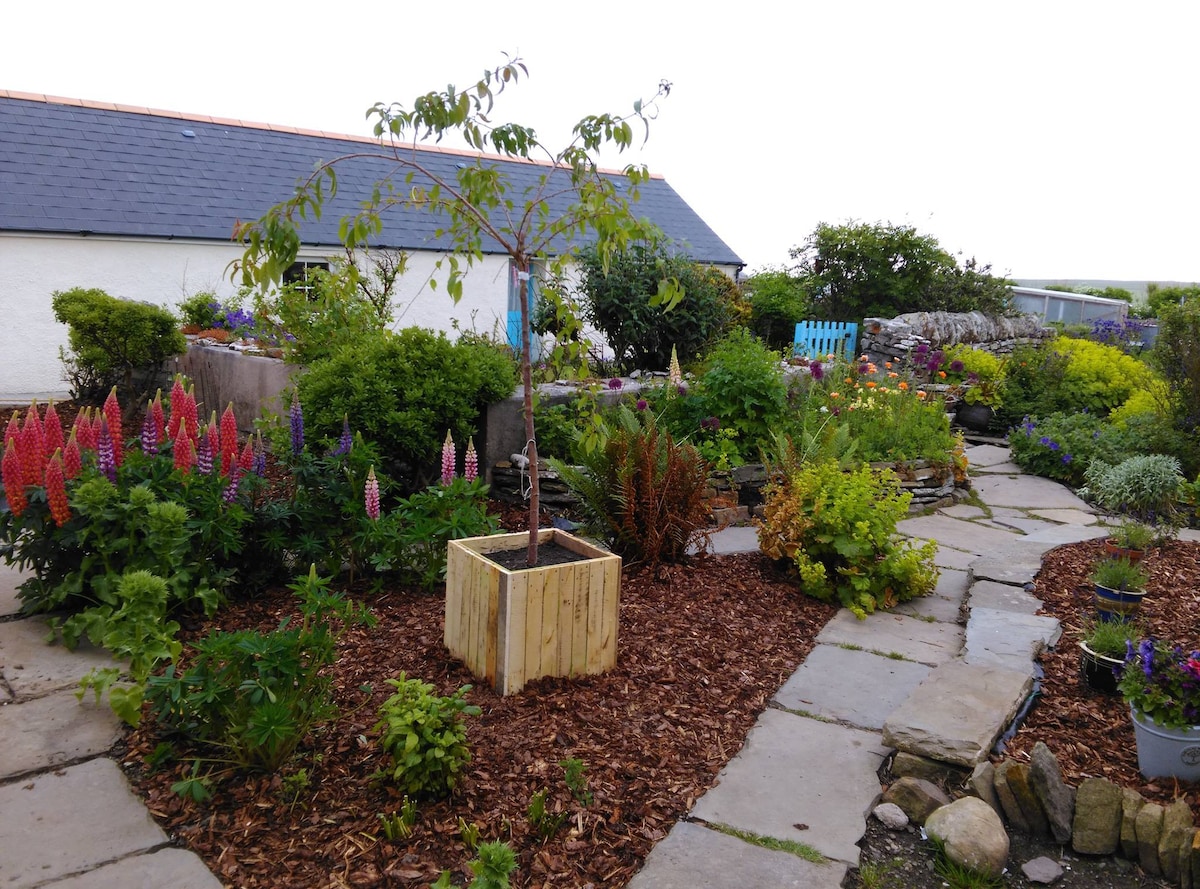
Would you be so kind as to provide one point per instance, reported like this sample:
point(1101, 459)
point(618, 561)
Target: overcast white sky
point(1051, 139)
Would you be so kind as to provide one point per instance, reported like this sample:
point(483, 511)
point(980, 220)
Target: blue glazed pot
point(1117, 604)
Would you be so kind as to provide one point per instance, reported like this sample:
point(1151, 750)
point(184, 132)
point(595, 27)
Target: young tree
point(571, 200)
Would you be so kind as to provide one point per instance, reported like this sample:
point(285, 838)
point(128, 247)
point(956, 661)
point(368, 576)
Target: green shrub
point(616, 301)
point(1177, 356)
point(778, 301)
point(114, 342)
point(255, 696)
point(641, 490)
point(839, 530)
point(977, 364)
point(1144, 486)
point(742, 385)
point(425, 736)
point(1100, 378)
point(1062, 445)
point(201, 309)
point(1033, 385)
point(403, 392)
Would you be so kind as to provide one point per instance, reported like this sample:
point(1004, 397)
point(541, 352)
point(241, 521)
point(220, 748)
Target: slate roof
point(78, 167)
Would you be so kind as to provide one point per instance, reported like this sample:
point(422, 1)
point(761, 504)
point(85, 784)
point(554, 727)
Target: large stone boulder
point(971, 835)
point(1057, 799)
point(1097, 826)
point(1177, 824)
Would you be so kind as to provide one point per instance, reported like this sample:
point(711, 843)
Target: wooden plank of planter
point(510, 627)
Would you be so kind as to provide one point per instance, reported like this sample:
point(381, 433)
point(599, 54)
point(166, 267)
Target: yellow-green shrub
point(982, 364)
point(839, 530)
point(1098, 377)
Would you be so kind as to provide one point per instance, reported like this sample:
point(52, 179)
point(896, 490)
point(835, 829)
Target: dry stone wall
point(894, 339)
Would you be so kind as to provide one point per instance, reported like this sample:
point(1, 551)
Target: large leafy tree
point(860, 270)
point(570, 201)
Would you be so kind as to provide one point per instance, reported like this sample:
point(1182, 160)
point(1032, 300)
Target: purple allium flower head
point(922, 348)
point(864, 368)
point(710, 424)
point(296, 416)
point(816, 370)
point(642, 404)
point(149, 436)
point(105, 458)
point(615, 383)
point(204, 456)
point(957, 366)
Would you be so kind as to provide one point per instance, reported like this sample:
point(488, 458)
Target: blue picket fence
point(816, 339)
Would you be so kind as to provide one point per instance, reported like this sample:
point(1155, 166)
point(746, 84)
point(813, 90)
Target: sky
point(1051, 139)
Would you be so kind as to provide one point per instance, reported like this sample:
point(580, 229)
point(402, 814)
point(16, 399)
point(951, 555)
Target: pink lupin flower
point(185, 454)
point(177, 398)
point(52, 432)
point(449, 458)
point(160, 420)
point(371, 495)
point(13, 479)
point(112, 413)
point(246, 461)
point(13, 430)
point(470, 462)
point(72, 458)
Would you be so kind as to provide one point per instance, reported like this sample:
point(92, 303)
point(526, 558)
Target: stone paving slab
point(164, 869)
point(1189, 534)
point(53, 730)
point(1024, 491)
point(794, 770)
point(61, 823)
point(955, 559)
point(32, 668)
point(1023, 524)
point(854, 687)
point(931, 608)
point(1003, 597)
point(1013, 567)
point(735, 539)
point(9, 578)
point(1065, 516)
point(1007, 639)
point(1008, 468)
point(957, 713)
point(887, 632)
point(986, 455)
point(963, 511)
point(696, 857)
point(968, 536)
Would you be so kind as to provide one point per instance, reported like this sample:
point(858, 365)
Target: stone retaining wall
point(735, 495)
point(1096, 818)
point(894, 339)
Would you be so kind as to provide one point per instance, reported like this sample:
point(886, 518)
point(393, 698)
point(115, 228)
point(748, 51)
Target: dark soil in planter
point(548, 554)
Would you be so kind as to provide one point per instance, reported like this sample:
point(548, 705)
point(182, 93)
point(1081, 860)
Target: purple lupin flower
point(204, 456)
point(371, 495)
point(149, 436)
point(346, 441)
point(105, 458)
point(231, 490)
point(296, 416)
point(260, 457)
point(449, 458)
point(816, 370)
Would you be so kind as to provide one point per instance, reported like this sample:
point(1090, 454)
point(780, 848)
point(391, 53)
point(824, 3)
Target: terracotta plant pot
point(1120, 552)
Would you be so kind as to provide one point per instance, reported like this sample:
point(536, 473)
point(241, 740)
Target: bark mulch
point(1091, 732)
point(702, 647)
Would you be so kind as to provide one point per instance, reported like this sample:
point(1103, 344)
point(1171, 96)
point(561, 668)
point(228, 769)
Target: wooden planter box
point(510, 627)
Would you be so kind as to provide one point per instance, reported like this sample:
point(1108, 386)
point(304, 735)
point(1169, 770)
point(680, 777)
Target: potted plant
point(1120, 585)
point(1129, 540)
point(1161, 684)
point(1102, 652)
point(980, 400)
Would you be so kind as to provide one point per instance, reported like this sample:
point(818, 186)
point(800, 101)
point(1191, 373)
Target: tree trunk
point(524, 276)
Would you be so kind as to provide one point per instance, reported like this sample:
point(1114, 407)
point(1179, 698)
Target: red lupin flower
point(52, 431)
point(13, 479)
point(72, 458)
point(185, 455)
point(30, 448)
point(13, 430)
point(246, 460)
point(160, 419)
point(177, 399)
point(112, 413)
point(56, 490)
point(229, 448)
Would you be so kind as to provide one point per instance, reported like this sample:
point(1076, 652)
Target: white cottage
point(143, 204)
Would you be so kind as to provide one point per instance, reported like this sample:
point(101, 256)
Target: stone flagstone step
point(32, 668)
point(799, 771)
point(957, 713)
point(854, 687)
point(49, 731)
point(1001, 638)
point(164, 869)
point(917, 640)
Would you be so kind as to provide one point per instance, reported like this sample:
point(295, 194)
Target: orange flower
point(848, 380)
point(835, 394)
point(888, 365)
point(920, 394)
point(903, 387)
point(941, 374)
point(893, 374)
point(872, 384)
